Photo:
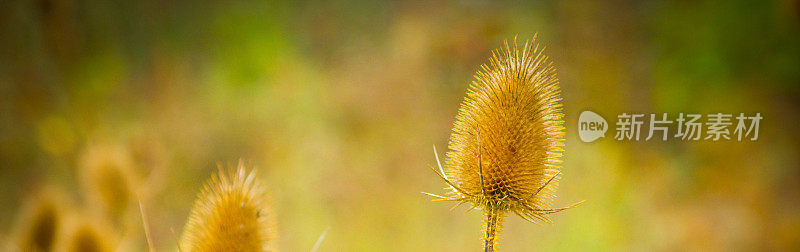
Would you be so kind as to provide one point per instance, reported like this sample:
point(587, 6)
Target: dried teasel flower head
point(149, 159)
point(505, 148)
point(41, 220)
point(86, 233)
point(108, 180)
point(231, 214)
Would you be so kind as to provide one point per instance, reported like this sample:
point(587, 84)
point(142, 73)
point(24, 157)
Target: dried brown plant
point(87, 234)
point(41, 221)
point(108, 180)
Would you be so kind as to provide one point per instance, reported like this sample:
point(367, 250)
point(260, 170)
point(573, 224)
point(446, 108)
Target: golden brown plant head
point(43, 229)
point(506, 144)
point(87, 234)
point(107, 179)
point(147, 155)
point(40, 222)
point(231, 214)
point(149, 161)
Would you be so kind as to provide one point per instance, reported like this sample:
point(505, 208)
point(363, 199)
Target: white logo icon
point(591, 126)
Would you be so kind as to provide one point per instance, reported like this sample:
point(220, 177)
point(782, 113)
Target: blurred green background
point(337, 104)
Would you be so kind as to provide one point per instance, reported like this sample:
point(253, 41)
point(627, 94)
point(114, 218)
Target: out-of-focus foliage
point(338, 103)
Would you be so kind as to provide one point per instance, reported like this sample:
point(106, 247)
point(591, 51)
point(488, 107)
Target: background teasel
point(108, 181)
point(507, 140)
point(114, 182)
point(231, 214)
point(42, 220)
point(84, 232)
point(149, 160)
point(51, 223)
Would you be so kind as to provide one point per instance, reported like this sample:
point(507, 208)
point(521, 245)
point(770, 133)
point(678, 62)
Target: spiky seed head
point(508, 136)
point(231, 214)
point(107, 179)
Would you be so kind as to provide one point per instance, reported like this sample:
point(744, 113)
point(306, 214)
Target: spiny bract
point(231, 214)
point(507, 140)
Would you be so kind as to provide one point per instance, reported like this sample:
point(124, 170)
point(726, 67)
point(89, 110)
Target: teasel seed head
point(88, 234)
point(507, 140)
point(231, 214)
point(107, 179)
point(41, 220)
point(149, 160)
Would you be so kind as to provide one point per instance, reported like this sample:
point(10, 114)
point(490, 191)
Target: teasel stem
point(494, 222)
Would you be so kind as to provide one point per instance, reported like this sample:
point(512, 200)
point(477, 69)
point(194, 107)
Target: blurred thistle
point(507, 140)
point(41, 221)
point(149, 160)
point(87, 234)
point(231, 214)
point(107, 179)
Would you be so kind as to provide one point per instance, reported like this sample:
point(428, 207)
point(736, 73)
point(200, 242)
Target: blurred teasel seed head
point(231, 214)
point(507, 140)
point(41, 221)
point(107, 179)
point(87, 234)
point(149, 159)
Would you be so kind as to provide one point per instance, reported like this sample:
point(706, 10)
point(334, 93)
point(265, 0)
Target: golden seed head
point(87, 234)
point(43, 229)
point(148, 156)
point(231, 214)
point(508, 136)
point(107, 179)
point(41, 222)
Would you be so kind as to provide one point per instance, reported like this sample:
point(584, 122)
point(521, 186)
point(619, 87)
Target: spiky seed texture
point(514, 107)
point(508, 137)
point(231, 214)
point(507, 140)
